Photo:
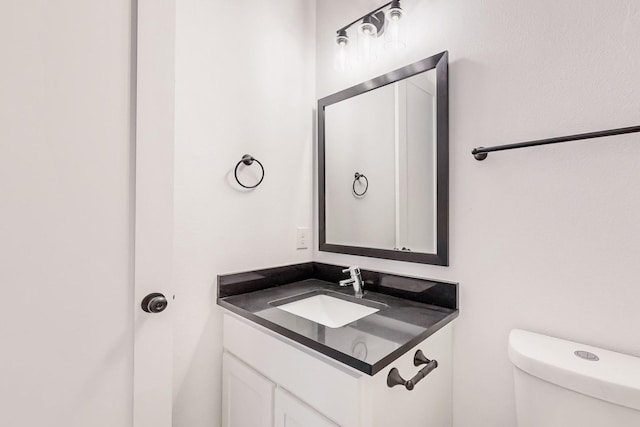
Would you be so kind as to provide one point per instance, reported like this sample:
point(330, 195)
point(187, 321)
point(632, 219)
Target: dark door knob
point(154, 303)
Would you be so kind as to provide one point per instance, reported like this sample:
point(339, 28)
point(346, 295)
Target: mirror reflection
point(381, 162)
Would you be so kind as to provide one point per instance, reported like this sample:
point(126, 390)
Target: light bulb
point(395, 12)
point(368, 29)
point(342, 38)
point(367, 34)
point(395, 34)
point(342, 54)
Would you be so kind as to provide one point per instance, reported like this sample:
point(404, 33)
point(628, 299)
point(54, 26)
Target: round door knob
point(154, 303)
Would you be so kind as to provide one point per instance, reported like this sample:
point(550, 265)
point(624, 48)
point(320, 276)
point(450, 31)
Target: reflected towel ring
point(358, 175)
point(248, 160)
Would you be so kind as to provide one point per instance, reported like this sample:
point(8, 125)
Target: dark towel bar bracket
point(481, 153)
point(394, 378)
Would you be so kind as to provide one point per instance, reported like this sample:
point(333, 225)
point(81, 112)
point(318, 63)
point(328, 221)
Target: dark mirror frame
point(441, 257)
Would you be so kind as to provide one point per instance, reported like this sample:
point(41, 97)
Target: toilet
point(561, 383)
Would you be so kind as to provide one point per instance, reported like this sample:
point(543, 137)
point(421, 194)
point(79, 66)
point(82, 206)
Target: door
point(79, 240)
point(291, 412)
point(247, 396)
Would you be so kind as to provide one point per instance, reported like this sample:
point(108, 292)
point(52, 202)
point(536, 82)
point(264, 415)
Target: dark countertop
point(368, 344)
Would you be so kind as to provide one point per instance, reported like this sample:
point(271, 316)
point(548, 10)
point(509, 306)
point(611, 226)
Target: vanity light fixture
point(369, 29)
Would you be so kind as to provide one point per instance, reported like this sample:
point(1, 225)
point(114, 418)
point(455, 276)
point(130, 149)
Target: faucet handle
point(352, 270)
point(345, 282)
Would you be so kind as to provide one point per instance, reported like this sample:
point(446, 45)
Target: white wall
point(545, 239)
point(244, 84)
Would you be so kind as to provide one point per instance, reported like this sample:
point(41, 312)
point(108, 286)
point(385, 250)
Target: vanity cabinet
point(250, 399)
point(270, 380)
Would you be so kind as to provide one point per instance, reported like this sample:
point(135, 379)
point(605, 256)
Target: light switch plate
point(302, 238)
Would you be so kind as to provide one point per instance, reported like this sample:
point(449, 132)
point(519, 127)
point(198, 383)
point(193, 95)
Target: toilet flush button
point(586, 355)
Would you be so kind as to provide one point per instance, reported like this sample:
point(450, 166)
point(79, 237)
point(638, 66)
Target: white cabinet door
point(290, 412)
point(247, 396)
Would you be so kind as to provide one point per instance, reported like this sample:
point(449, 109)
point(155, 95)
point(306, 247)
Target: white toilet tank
point(555, 387)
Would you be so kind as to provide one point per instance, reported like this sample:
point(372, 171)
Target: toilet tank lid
point(614, 378)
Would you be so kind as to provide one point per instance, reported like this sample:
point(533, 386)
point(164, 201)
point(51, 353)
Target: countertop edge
point(335, 354)
point(397, 353)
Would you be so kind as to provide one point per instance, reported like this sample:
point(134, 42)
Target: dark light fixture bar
point(369, 28)
point(481, 153)
point(373, 12)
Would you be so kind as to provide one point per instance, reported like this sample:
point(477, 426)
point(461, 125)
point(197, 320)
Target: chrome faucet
point(355, 280)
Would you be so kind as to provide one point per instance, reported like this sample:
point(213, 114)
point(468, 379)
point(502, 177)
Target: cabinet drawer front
point(323, 384)
point(247, 396)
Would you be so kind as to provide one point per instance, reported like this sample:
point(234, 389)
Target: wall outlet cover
point(302, 238)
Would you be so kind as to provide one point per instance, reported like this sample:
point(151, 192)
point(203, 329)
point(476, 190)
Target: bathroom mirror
point(383, 166)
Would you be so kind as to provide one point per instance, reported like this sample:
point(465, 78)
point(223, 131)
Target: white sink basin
point(327, 310)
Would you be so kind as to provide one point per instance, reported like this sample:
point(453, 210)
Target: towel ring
point(357, 176)
point(248, 160)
